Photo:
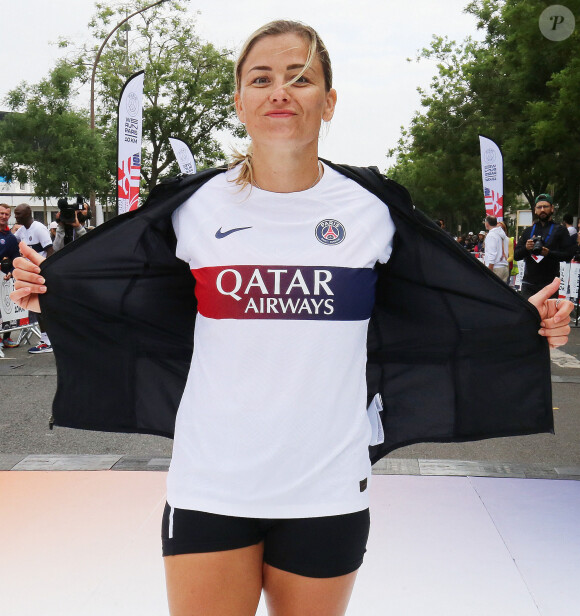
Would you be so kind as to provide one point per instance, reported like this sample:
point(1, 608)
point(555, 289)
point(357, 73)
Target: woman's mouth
point(280, 113)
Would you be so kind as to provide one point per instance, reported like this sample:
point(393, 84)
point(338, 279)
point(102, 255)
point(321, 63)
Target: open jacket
point(453, 351)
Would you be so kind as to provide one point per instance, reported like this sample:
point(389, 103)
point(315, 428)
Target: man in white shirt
point(496, 249)
point(35, 235)
point(569, 224)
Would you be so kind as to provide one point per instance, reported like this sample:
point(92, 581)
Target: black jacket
point(561, 248)
point(453, 351)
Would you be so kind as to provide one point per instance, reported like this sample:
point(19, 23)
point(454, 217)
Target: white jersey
point(36, 236)
point(272, 422)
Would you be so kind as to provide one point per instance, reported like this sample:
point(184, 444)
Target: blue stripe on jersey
point(285, 292)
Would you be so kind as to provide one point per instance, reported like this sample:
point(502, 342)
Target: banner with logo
point(492, 176)
point(11, 315)
point(129, 131)
point(563, 291)
point(574, 280)
point(183, 155)
point(520, 275)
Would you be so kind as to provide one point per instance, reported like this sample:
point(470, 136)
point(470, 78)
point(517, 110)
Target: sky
point(369, 42)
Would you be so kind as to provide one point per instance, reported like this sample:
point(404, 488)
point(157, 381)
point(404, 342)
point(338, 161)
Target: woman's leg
point(226, 583)
point(289, 594)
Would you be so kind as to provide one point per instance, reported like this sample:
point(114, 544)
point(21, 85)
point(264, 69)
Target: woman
point(268, 483)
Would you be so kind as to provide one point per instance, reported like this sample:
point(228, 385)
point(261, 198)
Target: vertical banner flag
point(129, 130)
point(183, 155)
point(492, 176)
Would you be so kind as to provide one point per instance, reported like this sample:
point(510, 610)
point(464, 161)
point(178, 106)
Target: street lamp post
point(99, 213)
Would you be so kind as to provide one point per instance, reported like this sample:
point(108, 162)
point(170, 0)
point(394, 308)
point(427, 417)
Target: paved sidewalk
point(28, 383)
point(386, 466)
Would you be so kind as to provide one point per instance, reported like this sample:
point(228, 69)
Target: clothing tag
point(377, 434)
point(537, 258)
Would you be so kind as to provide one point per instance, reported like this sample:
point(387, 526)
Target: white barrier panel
point(11, 314)
point(564, 280)
point(520, 274)
point(574, 280)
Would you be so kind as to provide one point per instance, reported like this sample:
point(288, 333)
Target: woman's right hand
point(28, 283)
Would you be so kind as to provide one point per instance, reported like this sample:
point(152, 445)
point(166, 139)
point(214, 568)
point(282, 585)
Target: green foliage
point(188, 88)
point(188, 92)
point(45, 140)
point(516, 87)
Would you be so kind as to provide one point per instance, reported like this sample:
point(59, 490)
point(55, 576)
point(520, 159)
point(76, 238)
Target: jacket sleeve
point(562, 248)
point(14, 249)
point(520, 251)
point(443, 327)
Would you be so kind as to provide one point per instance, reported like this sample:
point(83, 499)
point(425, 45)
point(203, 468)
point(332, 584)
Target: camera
point(68, 210)
point(538, 244)
point(6, 265)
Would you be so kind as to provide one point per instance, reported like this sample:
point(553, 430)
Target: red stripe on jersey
point(285, 292)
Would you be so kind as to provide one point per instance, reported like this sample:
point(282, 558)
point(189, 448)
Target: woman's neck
point(285, 171)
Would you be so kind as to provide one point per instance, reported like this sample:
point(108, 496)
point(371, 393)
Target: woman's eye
point(302, 80)
point(260, 80)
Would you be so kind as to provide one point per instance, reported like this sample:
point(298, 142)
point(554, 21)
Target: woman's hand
point(28, 283)
point(554, 313)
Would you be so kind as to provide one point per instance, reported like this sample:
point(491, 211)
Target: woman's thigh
point(226, 583)
point(289, 594)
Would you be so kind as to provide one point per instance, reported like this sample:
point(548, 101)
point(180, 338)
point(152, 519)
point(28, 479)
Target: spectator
point(8, 252)
point(569, 223)
point(52, 230)
point(68, 232)
point(441, 223)
point(511, 246)
point(35, 235)
point(543, 246)
point(496, 249)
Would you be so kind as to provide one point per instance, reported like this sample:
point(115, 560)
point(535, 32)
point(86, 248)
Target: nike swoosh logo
point(220, 234)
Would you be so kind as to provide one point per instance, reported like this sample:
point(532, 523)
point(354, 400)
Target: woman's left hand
point(555, 314)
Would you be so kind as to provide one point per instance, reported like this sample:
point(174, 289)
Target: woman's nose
point(279, 94)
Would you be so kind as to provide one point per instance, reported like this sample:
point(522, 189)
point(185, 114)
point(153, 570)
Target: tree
point(45, 140)
point(519, 76)
point(438, 157)
point(516, 87)
point(188, 89)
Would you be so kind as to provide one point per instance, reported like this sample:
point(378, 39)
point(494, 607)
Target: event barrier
point(13, 318)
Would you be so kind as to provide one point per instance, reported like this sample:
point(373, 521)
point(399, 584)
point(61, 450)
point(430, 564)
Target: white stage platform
point(88, 544)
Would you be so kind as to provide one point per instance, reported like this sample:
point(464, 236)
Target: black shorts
point(320, 547)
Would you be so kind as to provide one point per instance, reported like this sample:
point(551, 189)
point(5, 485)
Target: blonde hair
point(316, 48)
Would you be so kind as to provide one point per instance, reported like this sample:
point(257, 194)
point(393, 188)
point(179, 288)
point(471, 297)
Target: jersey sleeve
point(181, 251)
point(382, 234)
point(45, 239)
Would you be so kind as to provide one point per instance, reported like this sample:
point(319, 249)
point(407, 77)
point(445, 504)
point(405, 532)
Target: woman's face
point(276, 115)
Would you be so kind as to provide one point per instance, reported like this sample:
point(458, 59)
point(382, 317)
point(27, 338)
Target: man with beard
point(543, 254)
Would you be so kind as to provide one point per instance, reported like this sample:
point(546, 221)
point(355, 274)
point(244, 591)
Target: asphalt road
point(28, 383)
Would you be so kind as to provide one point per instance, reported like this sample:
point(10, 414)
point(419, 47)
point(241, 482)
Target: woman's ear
point(239, 108)
point(329, 105)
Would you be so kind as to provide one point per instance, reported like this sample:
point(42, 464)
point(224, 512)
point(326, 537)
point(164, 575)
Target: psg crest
point(330, 232)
